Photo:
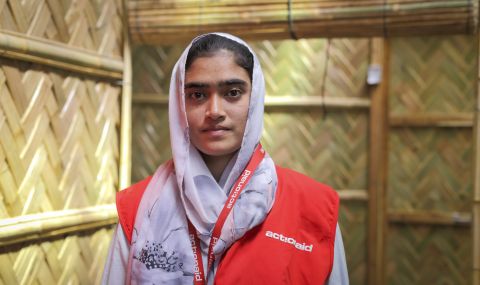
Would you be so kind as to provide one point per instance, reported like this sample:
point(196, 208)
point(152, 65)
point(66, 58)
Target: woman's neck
point(217, 164)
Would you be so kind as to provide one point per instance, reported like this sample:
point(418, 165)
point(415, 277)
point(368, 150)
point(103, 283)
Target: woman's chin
point(218, 150)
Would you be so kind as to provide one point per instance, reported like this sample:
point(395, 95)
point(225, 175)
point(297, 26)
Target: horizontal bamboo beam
point(278, 101)
point(433, 120)
point(353, 195)
point(430, 218)
point(163, 22)
point(317, 101)
point(150, 99)
point(46, 52)
point(45, 225)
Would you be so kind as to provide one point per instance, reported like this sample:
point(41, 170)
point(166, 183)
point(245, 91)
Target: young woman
point(221, 212)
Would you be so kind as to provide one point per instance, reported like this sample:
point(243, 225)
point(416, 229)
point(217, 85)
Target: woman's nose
point(215, 107)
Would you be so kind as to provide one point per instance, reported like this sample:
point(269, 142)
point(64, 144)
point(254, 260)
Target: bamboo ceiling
point(162, 22)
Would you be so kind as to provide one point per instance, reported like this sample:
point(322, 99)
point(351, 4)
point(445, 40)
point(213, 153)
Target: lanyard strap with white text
point(242, 181)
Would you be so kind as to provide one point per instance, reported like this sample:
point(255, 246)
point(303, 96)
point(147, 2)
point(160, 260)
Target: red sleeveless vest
point(294, 245)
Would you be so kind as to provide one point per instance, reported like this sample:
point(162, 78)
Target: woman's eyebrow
point(231, 82)
point(196, 85)
point(223, 83)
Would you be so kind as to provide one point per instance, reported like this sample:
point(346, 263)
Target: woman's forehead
point(220, 67)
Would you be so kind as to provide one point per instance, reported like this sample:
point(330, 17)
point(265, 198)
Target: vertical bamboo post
point(377, 179)
point(476, 183)
point(126, 117)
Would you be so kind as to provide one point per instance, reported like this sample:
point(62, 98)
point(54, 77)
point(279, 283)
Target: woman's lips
point(216, 132)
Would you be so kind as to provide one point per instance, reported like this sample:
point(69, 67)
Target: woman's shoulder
point(127, 202)
point(290, 175)
point(133, 194)
point(302, 183)
point(316, 203)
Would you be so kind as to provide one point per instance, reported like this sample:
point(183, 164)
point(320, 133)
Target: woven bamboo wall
point(75, 259)
point(59, 140)
point(331, 148)
point(430, 167)
point(92, 25)
point(431, 164)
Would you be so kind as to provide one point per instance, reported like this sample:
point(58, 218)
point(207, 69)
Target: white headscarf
point(161, 252)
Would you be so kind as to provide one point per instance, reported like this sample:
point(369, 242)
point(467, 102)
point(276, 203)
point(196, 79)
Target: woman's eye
point(196, 96)
point(234, 93)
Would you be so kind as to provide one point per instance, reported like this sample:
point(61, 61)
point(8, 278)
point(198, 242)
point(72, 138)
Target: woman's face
point(217, 96)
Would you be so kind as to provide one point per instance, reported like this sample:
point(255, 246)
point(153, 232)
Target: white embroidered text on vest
point(289, 240)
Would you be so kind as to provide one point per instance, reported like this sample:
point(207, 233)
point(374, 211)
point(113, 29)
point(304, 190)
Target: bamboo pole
point(316, 101)
point(476, 183)
point(126, 115)
point(460, 120)
point(278, 101)
point(353, 194)
point(166, 22)
point(431, 218)
point(18, 46)
point(377, 178)
point(39, 226)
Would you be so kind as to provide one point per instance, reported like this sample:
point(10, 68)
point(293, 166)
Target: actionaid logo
point(196, 268)
point(289, 240)
point(239, 186)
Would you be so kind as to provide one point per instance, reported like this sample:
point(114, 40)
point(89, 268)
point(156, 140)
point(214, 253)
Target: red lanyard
point(242, 181)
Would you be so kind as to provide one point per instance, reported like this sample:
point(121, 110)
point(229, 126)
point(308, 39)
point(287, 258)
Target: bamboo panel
point(428, 154)
point(430, 169)
point(59, 141)
point(297, 68)
point(331, 150)
point(170, 21)
point(152, 67)
point(476, 185)
point(58, 138)
point(150, 140)
point(292, 68)
point(433, 75)
point(77, 259)
point(353, 223)
point(429, 255)
point(92, 25)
